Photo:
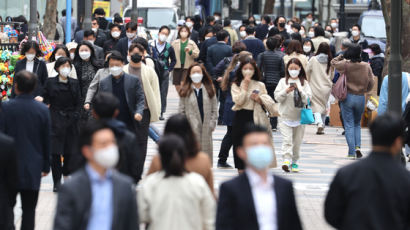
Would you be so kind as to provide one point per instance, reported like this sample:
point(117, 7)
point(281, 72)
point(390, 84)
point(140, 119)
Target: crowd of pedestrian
point(86, 114)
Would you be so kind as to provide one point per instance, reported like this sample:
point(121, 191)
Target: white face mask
point(355, 33)
point(302, 32)
point(334, 25)
point(217, 18)
point(57, 57)
point(92, 42)
point(107, 157)
point(162, 37)
point(115, 71)
point(307, 49)
point(85, 55)
point(130, 35)
point(309, 19)
point(72, 55)
point(189, 24)
point(248, 72)
point(242, 34)
point(294, 73)
point(95, 30)
point(311, 34)
point(196, 77)
point(206, 38)
point(65, 71)
point(115, 34)
point(183, 34)
point(30, 57)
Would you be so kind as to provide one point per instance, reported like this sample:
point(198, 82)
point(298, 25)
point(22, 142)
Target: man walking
point(373, 193)
point(28, 123)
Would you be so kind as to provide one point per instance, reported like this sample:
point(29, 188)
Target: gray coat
point(203, 130)
point(75, 197)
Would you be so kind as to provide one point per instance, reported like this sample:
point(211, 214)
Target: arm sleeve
point(238, 94)
point(173, 59)
point(143, 206)
point(282, 68)
point(214, 112)
point(383, 97)
point(73, 73)
point(93, 88)
point(371, 80)
point(335, 203)
point(209, 66)
point(296, 223)
point(280, 92)
point(46, 143)
point(219, 68)
point(339, 64)
point(133, 222)
point(140, 98)
point(224, 213)
point(259, 62)
point(45, 93)
point(195, 51)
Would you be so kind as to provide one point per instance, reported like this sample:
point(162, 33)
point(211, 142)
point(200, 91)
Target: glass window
point(374, 27)
point(157, 17)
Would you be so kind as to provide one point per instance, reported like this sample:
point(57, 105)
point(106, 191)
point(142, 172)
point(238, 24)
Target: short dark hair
point(26, 81)
point(222, 35)
point(250, 30)
point(31, 44)
point(142, 41)
point(277, 20)
point(319, 31)
point(296, 36)
point(227, 22)
point(273, 42)
point(209, 19)
point(118, 20)
point(131, 25)
point(164, 27)
point(135, 45)
point(61, 61)
point(296, 26)
point(99, 11)
point(386, 128)
point(273, 31)
point(242, 26)
point(113, 26)
point(375, 48)
point(58, 47)
point(88, 33)
point(217, 28)
point(353, 53)
point(104, 105)
point(252, 128)
point(267, 19)
point(115, 55)
point(172, 150)
point(358, 26)
point(88, 131)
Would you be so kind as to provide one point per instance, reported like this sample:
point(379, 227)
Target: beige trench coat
point(203, 130)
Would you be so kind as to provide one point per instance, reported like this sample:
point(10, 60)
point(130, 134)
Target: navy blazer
point(236, 209)
point(204, 48)
point(215, 54)
point(133, 92)
point(39, 68)
point(122, 47)
point(75, 197)
point(29, 123)
point(255, 46)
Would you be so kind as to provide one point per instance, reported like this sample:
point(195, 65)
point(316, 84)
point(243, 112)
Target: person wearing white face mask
point(185, 52)
point(127, 88)
point(62, 95)
point(100, 36)
point(257, 199)
point(98, 185)
point(115, 34)
point(292, 94)
point(89, 36)
point(242, 32)
point(251, 100)
point(31, 62)
point(199, 103)
point(125, 43)
point(189, 21)
point(357, 38)
point(59, 52)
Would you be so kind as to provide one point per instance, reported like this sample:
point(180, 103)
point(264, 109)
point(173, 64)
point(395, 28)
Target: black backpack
point(158, 66)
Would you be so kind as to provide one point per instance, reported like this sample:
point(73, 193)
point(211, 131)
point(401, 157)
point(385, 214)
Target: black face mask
point(136, 58)
point(282, 24)
point(330, 31)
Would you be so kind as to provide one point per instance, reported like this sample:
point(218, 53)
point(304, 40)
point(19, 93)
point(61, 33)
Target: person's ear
point(116, 113)
point(87, 153)
point(242, 153)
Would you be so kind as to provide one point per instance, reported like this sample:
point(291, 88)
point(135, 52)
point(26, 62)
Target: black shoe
point(358, 154)
point(219, 122)
point(56, 187)
point(224, 165)
point(161, 118)
point(343, 133)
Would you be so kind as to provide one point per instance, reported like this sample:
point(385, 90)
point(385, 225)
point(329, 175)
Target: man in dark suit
point(96, 196)
point(257, 199)
point(28, 123)
point(127, 88)
point(89, 35)
point(373, 193)
point(8, 177)
point(124, 43)
point(218, 51)
point(100, 35)
point(253, 45)
point(208, 43)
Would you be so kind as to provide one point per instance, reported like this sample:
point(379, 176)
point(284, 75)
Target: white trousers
point(292, 139)
point(319, 118)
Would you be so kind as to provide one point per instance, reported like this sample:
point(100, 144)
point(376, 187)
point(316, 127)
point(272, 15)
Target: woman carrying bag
point(292, 94)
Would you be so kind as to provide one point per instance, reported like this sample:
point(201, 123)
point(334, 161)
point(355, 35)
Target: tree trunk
point(405, 34)
point(269, 6)
point(329, 2)
point(50, 17)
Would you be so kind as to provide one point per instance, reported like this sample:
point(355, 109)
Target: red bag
point(339, 89)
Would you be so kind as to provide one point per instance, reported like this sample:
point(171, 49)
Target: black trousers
point(240, 120)
point(59, 168)
point(221, 95)
point(29, 200)
point(141, 133)
point(225, 145)
point(163, 87)
point(271, 93)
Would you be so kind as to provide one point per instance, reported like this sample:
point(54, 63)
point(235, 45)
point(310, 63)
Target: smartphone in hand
point(255, 91)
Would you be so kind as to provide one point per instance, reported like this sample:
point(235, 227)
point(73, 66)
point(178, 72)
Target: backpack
point(158, 66)
point(339, 89)
point(158, 58)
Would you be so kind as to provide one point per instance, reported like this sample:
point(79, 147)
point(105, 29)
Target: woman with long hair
point(308, 48)
point(295, 50)
point(359, 81)
point(292, 94)
point(251, 101)
point(319, 75)
point(174, 198)
point(196, 161)
point(198, 102)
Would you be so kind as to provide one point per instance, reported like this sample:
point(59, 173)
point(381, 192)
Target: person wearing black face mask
point(280, 23)
point(150, 85)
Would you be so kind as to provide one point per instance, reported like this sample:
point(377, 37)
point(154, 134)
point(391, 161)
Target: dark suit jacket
point(133, 92)
point(215, 54)
point(40, 69)
point(28, 122)
point(370, 194)
point(8, 177)
point(99, 52)
point(236, 209)
point(122, 47)
point(74, 203)
point(195, 36)
point(204, 48)
point(255, 46)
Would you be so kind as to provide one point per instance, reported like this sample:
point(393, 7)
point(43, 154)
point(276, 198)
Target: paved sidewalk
point(320, 158)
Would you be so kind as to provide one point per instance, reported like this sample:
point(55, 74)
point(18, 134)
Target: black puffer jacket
point(377, 63)
point(272, 66)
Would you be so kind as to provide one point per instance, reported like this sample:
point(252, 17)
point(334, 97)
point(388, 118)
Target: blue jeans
point(352, 110)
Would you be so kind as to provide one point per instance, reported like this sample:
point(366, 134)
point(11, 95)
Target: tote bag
point(306, 115)
point(339, 89)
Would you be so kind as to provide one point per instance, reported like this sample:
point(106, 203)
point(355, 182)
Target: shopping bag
point(306, 115)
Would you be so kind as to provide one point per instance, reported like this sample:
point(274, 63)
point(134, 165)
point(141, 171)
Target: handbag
point(306, 114)
point(339, 89)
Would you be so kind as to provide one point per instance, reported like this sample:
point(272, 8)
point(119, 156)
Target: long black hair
point(31, 44)
point(93, 58)
point(172, 152)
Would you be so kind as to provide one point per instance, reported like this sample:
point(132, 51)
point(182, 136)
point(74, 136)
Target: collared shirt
point(101, 212)
point(130, 41)
point(160, 47)
point(264, 199)
point(196, 89)
point(30, 66)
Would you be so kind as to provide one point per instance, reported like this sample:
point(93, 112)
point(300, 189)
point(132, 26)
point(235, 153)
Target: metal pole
point(342, 16)
point(394, 98)
point(32, 27)
point(282, 7)
point(87, 15)
point(313, 8)
point(134, 12)
point(68, 22)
